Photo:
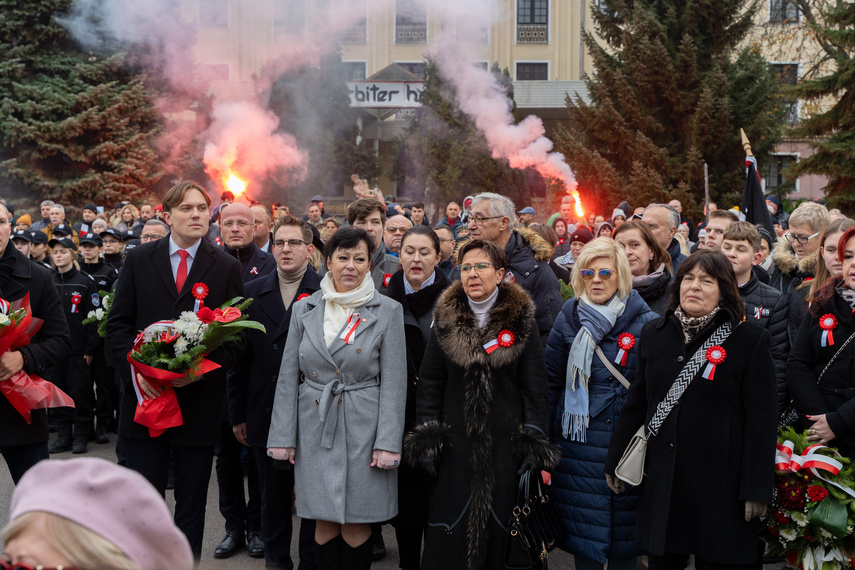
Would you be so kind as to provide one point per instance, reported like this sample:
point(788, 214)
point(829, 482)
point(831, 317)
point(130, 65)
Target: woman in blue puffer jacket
point(585, 401)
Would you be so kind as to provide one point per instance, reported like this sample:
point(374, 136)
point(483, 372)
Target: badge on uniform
point(96, 299)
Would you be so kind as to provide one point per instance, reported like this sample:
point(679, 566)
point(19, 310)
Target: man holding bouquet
point(24, 444)
point(158, 282)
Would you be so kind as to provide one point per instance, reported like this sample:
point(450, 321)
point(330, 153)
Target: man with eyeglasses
point(393, 234)
point(795, 258)
point(492, 219)
point(153, 230)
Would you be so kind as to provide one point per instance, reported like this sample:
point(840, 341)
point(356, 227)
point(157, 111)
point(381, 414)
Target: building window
point(410, 22)
point(788, 74)
point(214, 13)
point(214, 72)
point(289, 18)
point(416, 68)
point(777, 165)
point(532, 21)
point(356, 34)
point(532, 71)
point(783, 12)
point(354, 70)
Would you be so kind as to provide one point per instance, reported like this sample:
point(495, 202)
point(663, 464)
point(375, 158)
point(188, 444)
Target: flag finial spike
point(746, 144)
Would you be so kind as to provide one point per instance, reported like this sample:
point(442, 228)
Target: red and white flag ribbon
point(757, 312)
point(491, 346)
point(786, 460)
point(827, 323)
point(349, 332)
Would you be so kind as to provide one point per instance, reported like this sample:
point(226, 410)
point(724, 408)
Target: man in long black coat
point(25, 444)
point(147, 292)
point(252, 384)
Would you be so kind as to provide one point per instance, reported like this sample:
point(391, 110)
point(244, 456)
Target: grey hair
point(99, 222)
point(48, 202)
point(675, 217)
point(499, 205)
point(156, 222)
point(60, 206)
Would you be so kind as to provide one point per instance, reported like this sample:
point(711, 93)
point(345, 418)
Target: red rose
point(205, 315)
point(817, 493)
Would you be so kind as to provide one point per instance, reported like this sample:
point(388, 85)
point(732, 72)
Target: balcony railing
point(355, 35)
point(532, 34)
point(411, 34)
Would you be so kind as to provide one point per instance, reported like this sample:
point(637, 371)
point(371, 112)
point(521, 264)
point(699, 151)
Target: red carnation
point(205, 315)
point(781, 517)
point(792, 494)
point(817, 493)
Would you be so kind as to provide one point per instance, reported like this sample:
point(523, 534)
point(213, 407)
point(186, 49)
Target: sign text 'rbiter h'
point(396, 94)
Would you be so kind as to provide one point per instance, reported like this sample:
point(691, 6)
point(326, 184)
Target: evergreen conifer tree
point(670, 91)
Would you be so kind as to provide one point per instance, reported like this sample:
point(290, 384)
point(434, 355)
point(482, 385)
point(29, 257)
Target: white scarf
point(339, 306)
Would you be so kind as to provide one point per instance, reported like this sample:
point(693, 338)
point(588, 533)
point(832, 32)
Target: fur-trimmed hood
point(542, 250)
point(788, 264)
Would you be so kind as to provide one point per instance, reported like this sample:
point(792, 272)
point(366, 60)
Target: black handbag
point(534, 528)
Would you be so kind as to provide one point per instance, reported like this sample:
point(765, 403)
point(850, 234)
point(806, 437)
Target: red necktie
point(181, 274)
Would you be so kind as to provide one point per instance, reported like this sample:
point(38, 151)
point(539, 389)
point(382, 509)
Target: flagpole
point(746, 144)
point(706, 193)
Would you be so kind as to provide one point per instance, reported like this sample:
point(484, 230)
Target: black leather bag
point(534, 528)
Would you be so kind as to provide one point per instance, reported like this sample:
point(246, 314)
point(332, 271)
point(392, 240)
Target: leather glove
point(754, 509)
point(526, 465)
point(615, 484)
point(428, 464)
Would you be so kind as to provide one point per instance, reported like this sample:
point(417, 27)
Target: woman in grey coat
point(338, 414)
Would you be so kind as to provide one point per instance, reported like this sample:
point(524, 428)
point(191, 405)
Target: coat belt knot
point(329, 392)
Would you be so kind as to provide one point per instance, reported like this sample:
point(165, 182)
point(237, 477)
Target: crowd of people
point(410, 373)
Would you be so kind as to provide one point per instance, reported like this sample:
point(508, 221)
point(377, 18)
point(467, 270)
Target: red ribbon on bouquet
point(163, 412)
point(27, 392)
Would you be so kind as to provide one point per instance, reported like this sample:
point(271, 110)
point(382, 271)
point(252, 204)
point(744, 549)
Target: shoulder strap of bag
point(615, 372)
point(687, 374)
point(833, 358)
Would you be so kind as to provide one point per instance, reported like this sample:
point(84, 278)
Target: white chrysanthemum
point(105, 302)
point(180, 346)
point(800, 518)
point(99, 313)
point(188, 317)
point(789, 534)
point(88, 316)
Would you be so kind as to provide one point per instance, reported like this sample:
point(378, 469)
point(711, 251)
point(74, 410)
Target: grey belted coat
point(337, 405)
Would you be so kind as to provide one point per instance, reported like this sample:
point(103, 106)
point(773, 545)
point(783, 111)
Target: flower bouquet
point(26, 392)
point(171, 350)
point(813, 513)
point(100, 314)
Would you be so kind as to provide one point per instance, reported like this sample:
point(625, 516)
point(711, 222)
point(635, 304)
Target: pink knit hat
point(111, 501)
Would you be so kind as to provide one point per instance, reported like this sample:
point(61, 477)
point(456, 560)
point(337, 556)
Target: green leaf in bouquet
point(233, 302)
point(831, 515)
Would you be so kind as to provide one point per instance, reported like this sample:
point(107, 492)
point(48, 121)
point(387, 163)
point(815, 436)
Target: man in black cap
point(23, 241)
point(39, 251)
point(62, 230)
point(114, 246)
point(77, 293)
point(90, 212)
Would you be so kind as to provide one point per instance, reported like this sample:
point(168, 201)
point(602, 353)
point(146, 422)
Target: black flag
point(753, 200)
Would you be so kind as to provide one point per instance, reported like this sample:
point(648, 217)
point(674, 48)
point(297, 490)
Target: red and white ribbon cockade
point(715, 356)
point(302, 296)
point(812, 459)
point(386, 278)
point(758, 312)
point(200, 291)
point(505, 339)
point(75, 301)
point(625, 342)
point(827, 323)
point(349, 332)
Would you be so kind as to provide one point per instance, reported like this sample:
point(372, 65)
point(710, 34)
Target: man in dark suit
point(155, 284)
point(25, 444)
point(252, 384)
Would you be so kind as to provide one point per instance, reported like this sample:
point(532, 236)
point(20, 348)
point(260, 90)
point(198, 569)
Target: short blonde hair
point(810, 213)
point(609, 249)
point(84, 548)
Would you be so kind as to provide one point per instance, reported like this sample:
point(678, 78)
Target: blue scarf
point(597, 321)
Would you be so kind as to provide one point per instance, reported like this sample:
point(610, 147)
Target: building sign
point(389, 94)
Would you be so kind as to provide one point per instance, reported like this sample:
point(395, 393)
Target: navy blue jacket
point(599, 524)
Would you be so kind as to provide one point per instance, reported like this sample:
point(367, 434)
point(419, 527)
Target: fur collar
point(788, 264)
point(461, 339)
point(542, 250)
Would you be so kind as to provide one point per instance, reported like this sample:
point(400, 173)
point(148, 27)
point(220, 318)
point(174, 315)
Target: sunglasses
point(588, 274)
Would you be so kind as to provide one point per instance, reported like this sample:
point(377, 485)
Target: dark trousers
point(277, 488)
point(680, 561)
point(19, 458)
point(102, 376)
point(192, 465)
point(75, 379)
point(240, 514)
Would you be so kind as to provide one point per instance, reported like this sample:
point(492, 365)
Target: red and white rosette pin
point(827, 323)
point(505, 339)
point(386, 278)
point(75, 301)
point(302, 296)
point(625, 342)
point(715, 356)
point(200, 291)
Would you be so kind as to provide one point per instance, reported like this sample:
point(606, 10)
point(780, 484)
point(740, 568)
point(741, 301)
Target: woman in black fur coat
point(481, 412)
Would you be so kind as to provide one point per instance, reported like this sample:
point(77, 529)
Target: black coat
point(834, 395)
point(714, 451)
point(254, 263)
point(84, 338)
point(252, 381)
point(656, 293)
point(145, 293)
point(767, 307)
point(103, 274)
point(479, 415)
point(50, 346)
